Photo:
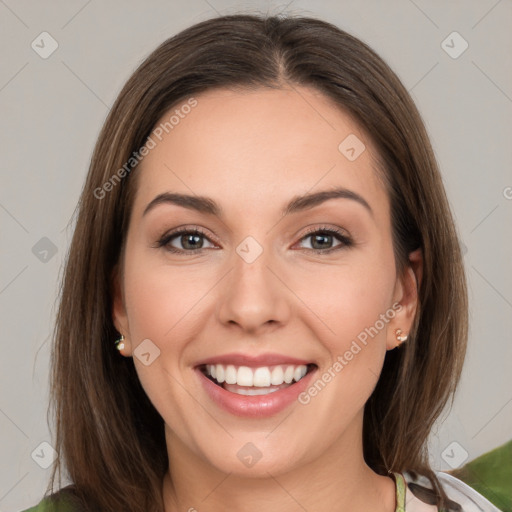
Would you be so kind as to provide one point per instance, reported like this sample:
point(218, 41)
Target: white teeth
point(277, 376)
point(256, 391)
point(219, 374)
point(299, 372)
point(230, 374)
point(261, 377)
point(288, 374)
point(244, 376)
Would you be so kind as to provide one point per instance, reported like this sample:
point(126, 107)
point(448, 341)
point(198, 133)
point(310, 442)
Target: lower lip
point(258, 406)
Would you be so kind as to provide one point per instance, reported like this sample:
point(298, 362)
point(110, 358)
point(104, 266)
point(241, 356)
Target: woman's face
point(280, 280)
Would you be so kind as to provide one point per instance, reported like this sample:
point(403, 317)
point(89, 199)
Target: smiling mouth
point(262, 380)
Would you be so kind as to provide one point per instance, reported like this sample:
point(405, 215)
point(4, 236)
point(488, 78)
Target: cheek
point(161, 299)
point(355, 310)
point(349, 299)
point(162, 303)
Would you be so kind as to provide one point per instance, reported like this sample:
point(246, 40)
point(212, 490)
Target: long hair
point(109, 437)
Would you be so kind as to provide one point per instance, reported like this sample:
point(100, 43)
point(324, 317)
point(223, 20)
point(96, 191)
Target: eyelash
point(165, 239)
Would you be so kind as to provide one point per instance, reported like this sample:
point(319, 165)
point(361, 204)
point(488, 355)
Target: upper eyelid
point(329, 229)
point(170, 235)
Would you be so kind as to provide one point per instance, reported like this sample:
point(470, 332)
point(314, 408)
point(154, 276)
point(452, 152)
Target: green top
point(400, 492)
point(491, 475)
point(50, 505)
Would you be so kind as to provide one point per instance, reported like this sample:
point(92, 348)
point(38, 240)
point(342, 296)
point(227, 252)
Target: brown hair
point(109, 436)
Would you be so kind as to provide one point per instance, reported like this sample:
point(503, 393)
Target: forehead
point(240, 146)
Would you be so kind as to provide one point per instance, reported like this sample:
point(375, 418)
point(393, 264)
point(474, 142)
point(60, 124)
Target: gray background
point(51, 113)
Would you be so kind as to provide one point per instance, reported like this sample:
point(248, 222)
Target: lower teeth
point(252, 391)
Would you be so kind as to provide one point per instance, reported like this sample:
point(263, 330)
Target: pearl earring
point(399, 336)
point(120, 343)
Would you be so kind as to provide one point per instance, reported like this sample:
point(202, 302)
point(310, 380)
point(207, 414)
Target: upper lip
point(253, 361)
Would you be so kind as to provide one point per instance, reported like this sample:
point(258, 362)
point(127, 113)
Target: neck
point(338, 480)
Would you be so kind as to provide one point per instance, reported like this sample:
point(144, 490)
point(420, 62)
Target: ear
point(119, 315)
point(406, 294)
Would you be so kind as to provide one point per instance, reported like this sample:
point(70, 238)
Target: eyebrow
point(297, 204)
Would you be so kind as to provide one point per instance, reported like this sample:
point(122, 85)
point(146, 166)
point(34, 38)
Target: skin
point(252, 152)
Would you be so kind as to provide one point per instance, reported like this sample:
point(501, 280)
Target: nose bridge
point(252, 295)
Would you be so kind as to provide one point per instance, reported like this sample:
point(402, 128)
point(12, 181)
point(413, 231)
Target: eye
point(188, 240)
point(322, 240)
point(191, 240)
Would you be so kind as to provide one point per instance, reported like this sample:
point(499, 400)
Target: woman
point(265, 238)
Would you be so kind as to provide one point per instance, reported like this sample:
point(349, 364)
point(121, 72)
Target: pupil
point(321, 237)
point(186, 239)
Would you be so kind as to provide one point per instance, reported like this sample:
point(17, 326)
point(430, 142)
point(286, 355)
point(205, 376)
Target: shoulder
point(464, 498)
point(63, 500)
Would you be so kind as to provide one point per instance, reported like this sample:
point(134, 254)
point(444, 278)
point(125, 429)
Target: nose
point(253, 295)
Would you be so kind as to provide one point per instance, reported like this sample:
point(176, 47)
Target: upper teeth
point(262, 376)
